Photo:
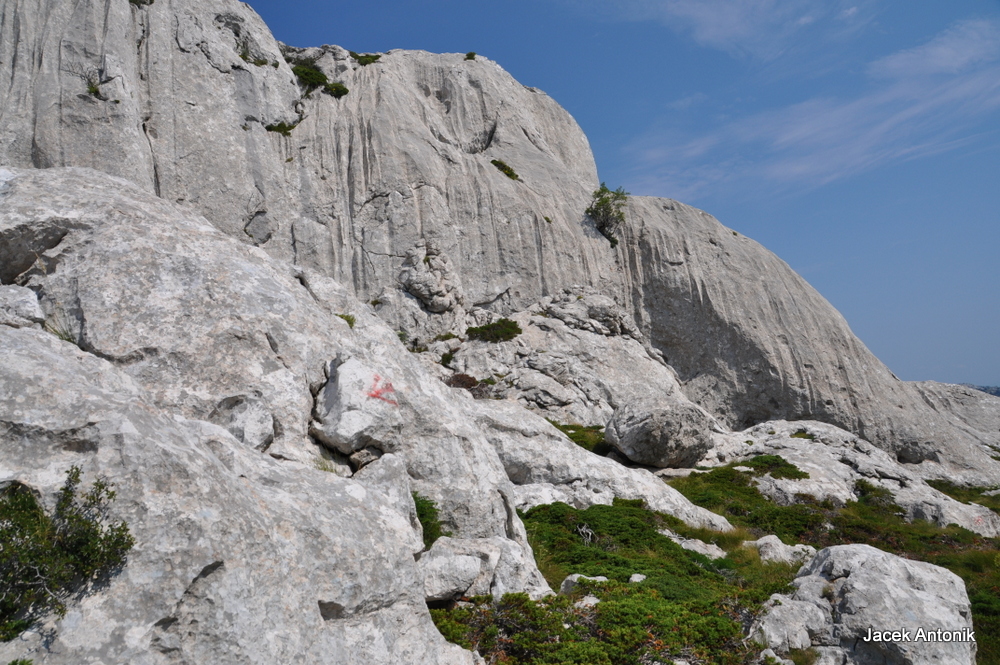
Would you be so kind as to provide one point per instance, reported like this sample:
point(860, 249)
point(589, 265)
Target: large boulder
point(662, 432)
point(851, 598)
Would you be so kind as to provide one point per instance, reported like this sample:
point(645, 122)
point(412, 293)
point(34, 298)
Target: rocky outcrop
point(220, 389)
point(836, 461)
point(239, 558)
point(363, 188)
point(849, 590)
point(546, 467)
point(752, 341)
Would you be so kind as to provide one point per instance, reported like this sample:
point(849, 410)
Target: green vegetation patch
point(503, 330)
point(803, 434)
point(471, 55)
point(874, 519)
point(688, 606)
point(607, 209)
point(774, 465)
point(282, 128)
point(588, 438)
point(349, 318)
point(968, 494)
point(365, 58)
point(309, 75)
point(427, 514)
point(338, 90)
point(504, 169)
point(44, 558)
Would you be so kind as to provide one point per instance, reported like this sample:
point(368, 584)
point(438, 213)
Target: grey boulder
point(666, 432)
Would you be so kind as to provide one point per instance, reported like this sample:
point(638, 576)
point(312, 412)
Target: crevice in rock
point(84, 439)
point(331, 611)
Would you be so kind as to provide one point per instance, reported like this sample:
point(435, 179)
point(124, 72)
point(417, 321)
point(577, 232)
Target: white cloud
point(687, 101)
point(964, 45)
point(923, 101)
point(760, 28)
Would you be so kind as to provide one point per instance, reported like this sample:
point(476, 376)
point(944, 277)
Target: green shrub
point(338, 90)
point(445, 337)
point(21, 661)
point(506, 170)
point(365, 58)
point(349, 318)
point(46, 558)
point(776, 466)
point(803, 434)
point(141, 3)
point(309, 75)
point(427, 513)
point(607, 209)
point(282, 128)
point(967, 494)
point(471, 55)
point(503, 330)
point(446, 358)
point(589, 438)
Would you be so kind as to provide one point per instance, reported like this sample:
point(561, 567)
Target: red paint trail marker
point(380, 392)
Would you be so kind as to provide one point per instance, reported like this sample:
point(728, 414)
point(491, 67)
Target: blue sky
point(859, 140)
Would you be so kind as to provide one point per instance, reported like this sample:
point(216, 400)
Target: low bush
point(365, 58)
point(471, 55)
point(968, 494)
point(503, 330)
point(282, 128)
point(309, 75)
point(688, 607)
point(44, 558)
point(338, 90)
point(427, 514)
point(349, 318)
point(506, 170)
point(776, 466)
point(803, 434)
point(446, 358)
point(589, 438)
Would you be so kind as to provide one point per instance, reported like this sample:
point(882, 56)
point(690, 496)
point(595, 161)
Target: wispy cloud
point(916, 102)
point(758, 28)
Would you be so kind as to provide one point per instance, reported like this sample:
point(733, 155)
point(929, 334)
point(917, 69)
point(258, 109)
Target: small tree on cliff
point(608, 211)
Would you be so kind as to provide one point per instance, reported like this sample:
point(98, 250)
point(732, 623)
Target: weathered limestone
point(752, 341)
point(835, 461)
point(772, 550)
point(239, 558)
point(401, 167)
point(847, 590)
point(662, 432)
point(546, 467)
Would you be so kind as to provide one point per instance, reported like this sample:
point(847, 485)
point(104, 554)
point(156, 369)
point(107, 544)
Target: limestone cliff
point(391, 191)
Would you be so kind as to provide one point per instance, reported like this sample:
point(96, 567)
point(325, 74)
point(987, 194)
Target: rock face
point(847, 590)
point(164, 337)
point(762, 359)
point(836, 461)
point(239, 558)
point(390, 190)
